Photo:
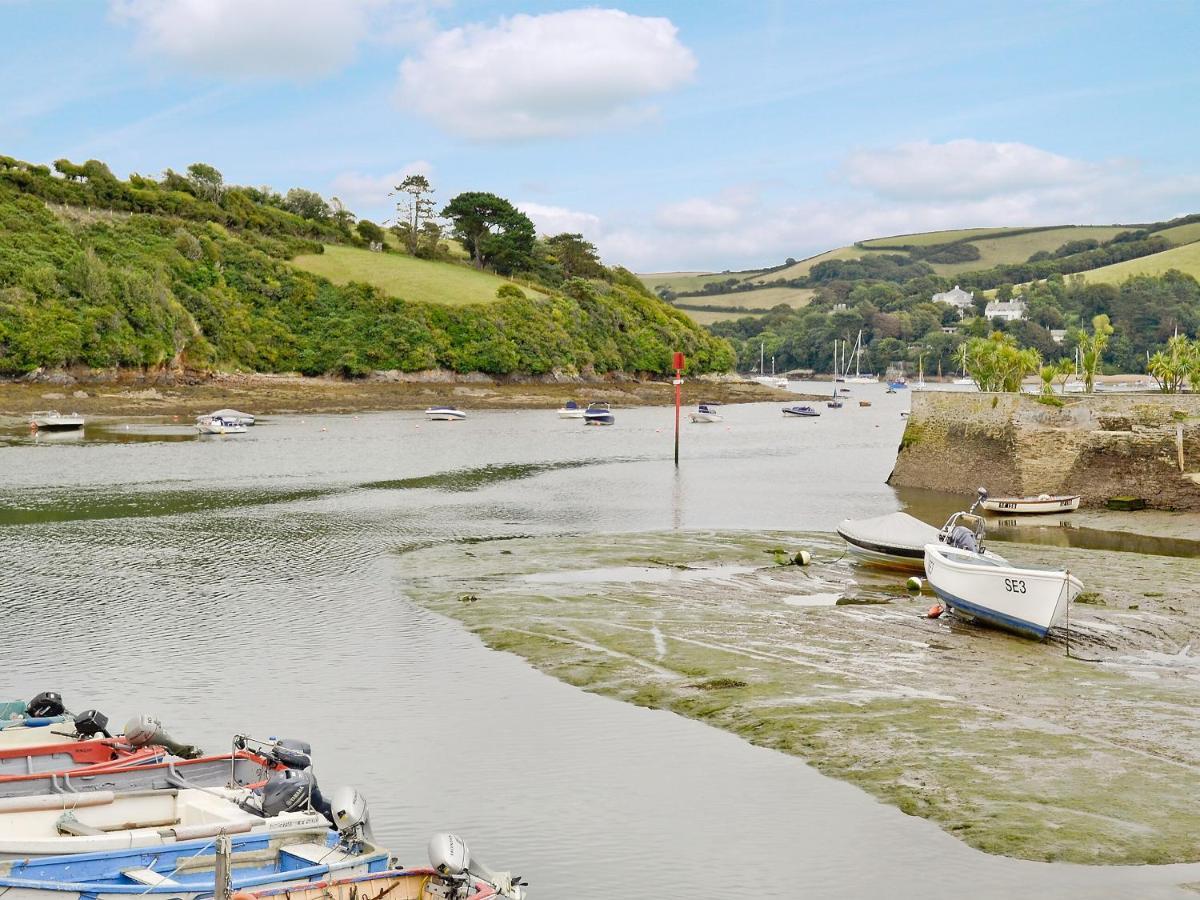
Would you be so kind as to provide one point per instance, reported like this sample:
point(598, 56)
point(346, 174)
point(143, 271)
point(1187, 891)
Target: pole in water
point(677, 362)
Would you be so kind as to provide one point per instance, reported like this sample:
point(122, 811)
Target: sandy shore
point(267, 395)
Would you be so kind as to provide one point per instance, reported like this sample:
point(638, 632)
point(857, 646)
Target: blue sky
point(676, 135)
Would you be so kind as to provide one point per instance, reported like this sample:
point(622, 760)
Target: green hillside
point(1184, 259)
point(400, 275)
point(189, 273)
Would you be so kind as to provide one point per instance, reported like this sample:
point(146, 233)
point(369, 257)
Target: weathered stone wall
point(1097, 446)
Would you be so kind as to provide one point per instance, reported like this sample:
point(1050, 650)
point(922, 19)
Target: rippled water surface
point(250, 583)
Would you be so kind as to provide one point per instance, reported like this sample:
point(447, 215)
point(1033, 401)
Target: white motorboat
point(57, 824)
point(217, 425)
point(1039, 505)
point(964, 380)
point(234, 416)
point(444, 414)
point(1026, 601)
point(571, 410)
point(598, 413)
point(706, 412)
point(53, 420)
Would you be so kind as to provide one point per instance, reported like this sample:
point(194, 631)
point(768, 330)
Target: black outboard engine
point(90, 723)
point(292, 790)
point(45, 705)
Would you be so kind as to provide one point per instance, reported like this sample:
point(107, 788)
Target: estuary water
point(251, 584)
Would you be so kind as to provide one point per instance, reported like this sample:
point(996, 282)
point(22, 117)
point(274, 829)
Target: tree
point(997, 364)
point(307, 205)
point(1091, 349)
point(415, 208)
point(207, 183)
point(492, 230)
point(342, 217)
point(576, 257)
point(369, 231)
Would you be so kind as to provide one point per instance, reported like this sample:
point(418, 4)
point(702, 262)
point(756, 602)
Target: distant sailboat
point(835, 402)
point(858, 377)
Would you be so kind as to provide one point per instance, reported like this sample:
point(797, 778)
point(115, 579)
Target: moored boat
point(53, 420)
point(802, 411)
point(216, 425)
point(894, 541)
point(898, 385)
point(185, 870)
point(1039, 505)
point(598, 413)
point(76, 756)
point(706, 412)
point(570, 410)
point(444, 414)
point(234, 416)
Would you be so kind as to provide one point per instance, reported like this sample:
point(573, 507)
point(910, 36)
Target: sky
point(682, 135)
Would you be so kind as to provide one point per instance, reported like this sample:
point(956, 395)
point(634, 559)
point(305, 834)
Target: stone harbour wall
point(1098, 446)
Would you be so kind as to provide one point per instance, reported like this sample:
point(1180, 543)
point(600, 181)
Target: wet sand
point(267, 395)
point(1015, 747)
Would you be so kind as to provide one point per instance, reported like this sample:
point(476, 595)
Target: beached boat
point(232, 770)
point(706, 412)
point(57, 824)
point(1039, 505)
point(1024, 600)
point(75, 756)
point(185, 870)
point(598, 413)
point(235, 416)
point(217, 425)
point(571, 410)
point(802, 412)
point(894, 541)
point(444, 414)
point(53, 420)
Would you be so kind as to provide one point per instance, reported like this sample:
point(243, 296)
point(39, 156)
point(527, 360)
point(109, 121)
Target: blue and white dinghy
point(186, 870)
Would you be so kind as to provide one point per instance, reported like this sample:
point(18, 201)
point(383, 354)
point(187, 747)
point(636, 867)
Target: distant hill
point(954, 254)
point(184, 272)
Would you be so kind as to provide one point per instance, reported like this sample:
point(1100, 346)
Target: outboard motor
point(144, 731)
point(349, 814)
point(448, 854)
point(45, 705)
point(293, 790)
point(963, 538)
point(90, 723)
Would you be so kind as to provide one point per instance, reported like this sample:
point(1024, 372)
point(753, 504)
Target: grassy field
point(708, 317)
point(1019, 248)
point(1185, 259)
point(687, 281)
point(1181, 234)
point(927, 238)
point(762, 298)
point(404, 276)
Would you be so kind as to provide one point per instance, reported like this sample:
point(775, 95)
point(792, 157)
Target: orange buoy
point(934, 611)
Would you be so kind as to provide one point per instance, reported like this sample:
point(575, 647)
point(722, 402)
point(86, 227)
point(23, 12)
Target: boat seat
point(68, 824)
point(309, 851)
point(149, 877)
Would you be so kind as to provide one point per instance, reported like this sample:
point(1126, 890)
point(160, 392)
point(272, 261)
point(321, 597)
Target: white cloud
point(698, 214)
point(551, 220)
point(296, 39)
point(962, 169)
point(549, 75)
point(360, 191)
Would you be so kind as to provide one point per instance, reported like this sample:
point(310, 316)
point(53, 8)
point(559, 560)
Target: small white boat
point(58, 824)
point(1041, 504)
point(571, 410)
point(234, 416)
point(801, 411)
point(775, 381)
point(1026, 601)
point(706, 412)
point(598, 414)
point(444, 414)
point(894, 541)
point(964, 381)
point(217, 425)
point(53, 420)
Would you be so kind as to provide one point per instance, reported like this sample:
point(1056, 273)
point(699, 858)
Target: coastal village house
point(1008, 310)
point(958, 298)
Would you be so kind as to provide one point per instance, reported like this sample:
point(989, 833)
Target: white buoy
point(913, 583)
point(802, 558)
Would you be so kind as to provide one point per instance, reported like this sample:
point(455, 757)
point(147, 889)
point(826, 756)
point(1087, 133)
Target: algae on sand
point(1008, 744)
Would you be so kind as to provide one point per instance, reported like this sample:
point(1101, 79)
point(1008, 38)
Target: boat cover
point(895, 530)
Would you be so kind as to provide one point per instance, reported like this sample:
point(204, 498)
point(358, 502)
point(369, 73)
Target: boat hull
point(1027, 602)
point(76, 756)
point(445, 415)
point(1031, 506)
point(800, 412)
point(701, 418)
point(241, 770)
point(394, 884)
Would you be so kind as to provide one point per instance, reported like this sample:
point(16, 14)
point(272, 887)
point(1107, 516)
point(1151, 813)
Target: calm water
point(250, 583)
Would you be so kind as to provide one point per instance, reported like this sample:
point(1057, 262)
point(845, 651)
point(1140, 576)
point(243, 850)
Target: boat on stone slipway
point(706, 412)
point(1025, 600)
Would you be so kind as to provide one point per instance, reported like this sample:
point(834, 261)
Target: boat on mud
point(1031, 506)
point(898, 540)
point(444, 414)
point(53, 420)
point(801, 412)
point(706, 412)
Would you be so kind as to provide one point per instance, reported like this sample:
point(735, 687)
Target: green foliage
point(495, 233)
point(1177, 365)
point(998, 364)
point(1092, 347)
point(369, 231)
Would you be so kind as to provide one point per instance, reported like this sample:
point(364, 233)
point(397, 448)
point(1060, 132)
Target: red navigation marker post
point(677, 362)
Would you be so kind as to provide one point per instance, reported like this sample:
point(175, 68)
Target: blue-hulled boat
point(800, 411)
point(897, 385)
point(598, 414)
point(186, 870)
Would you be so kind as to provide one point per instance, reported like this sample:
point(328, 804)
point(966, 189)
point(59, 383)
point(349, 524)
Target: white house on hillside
point(958, 298)
point(1008, 310)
